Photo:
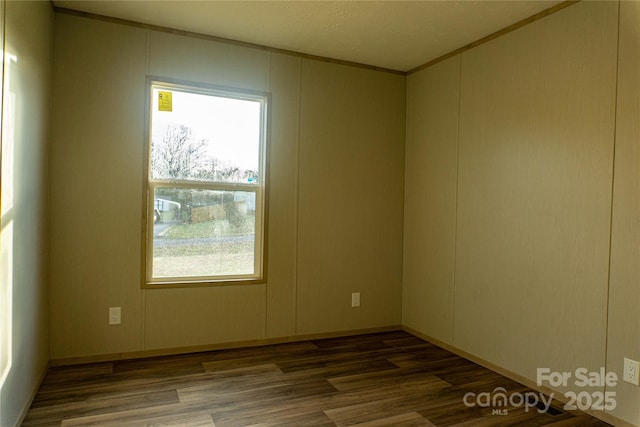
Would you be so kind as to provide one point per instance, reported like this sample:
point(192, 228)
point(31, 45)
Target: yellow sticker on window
point(164, 101)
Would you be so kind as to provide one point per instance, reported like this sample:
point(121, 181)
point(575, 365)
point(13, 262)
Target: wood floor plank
point(180, 420)
point(139, 417)
point(578, 421)
point(229, 359)
point(412, 419)
point(394, 378)
point(114, 387)
point(382, 405)
point(277, 419)
point(99, 406)
point(384, 379)
point(272, 391)
point(245, 371)
point(57, 376)
point(405, 342)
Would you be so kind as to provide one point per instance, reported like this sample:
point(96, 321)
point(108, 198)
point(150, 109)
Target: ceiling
point(398, 35)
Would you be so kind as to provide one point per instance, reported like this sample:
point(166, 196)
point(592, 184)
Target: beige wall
point(430, 199)
point(623, 338)
point(324, 119)
point(534, 193)
point(96, 186)
point(25, 211)
point(530, 190)
point(350, 198)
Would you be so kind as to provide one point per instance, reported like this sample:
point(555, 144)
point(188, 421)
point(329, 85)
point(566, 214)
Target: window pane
point(203, 233)
point(205, 138)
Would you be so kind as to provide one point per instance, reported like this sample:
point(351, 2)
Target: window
point(205, 185)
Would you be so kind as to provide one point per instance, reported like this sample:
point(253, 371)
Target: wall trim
point(557, 395)
point(112, 357)
point(505, 30)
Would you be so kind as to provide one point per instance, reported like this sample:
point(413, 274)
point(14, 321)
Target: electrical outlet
point(631, 371)
point(355, 299)
point(115, 315)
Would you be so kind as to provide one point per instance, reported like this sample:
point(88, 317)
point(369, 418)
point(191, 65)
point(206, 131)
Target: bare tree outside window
point(177, 155)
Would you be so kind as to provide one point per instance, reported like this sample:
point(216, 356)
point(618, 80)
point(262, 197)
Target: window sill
point(203, 284)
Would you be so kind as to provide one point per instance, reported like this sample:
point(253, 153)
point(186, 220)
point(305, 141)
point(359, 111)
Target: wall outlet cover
point(631, 371)
point(115, 315)
point(355, 299)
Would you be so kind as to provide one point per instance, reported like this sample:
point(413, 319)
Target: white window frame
point(259, 188)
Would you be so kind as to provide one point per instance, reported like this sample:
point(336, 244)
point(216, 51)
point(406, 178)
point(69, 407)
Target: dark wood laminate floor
point(383, 379)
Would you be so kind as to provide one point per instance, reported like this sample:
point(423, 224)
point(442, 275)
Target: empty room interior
point(469, 185)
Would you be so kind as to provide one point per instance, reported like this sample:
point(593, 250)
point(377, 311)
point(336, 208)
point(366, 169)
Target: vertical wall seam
point(49, 161)
point(296, 221)
point(613, 177)
point(265, 332)
point(455, 230)
point(143, 298)
point(404, 197)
